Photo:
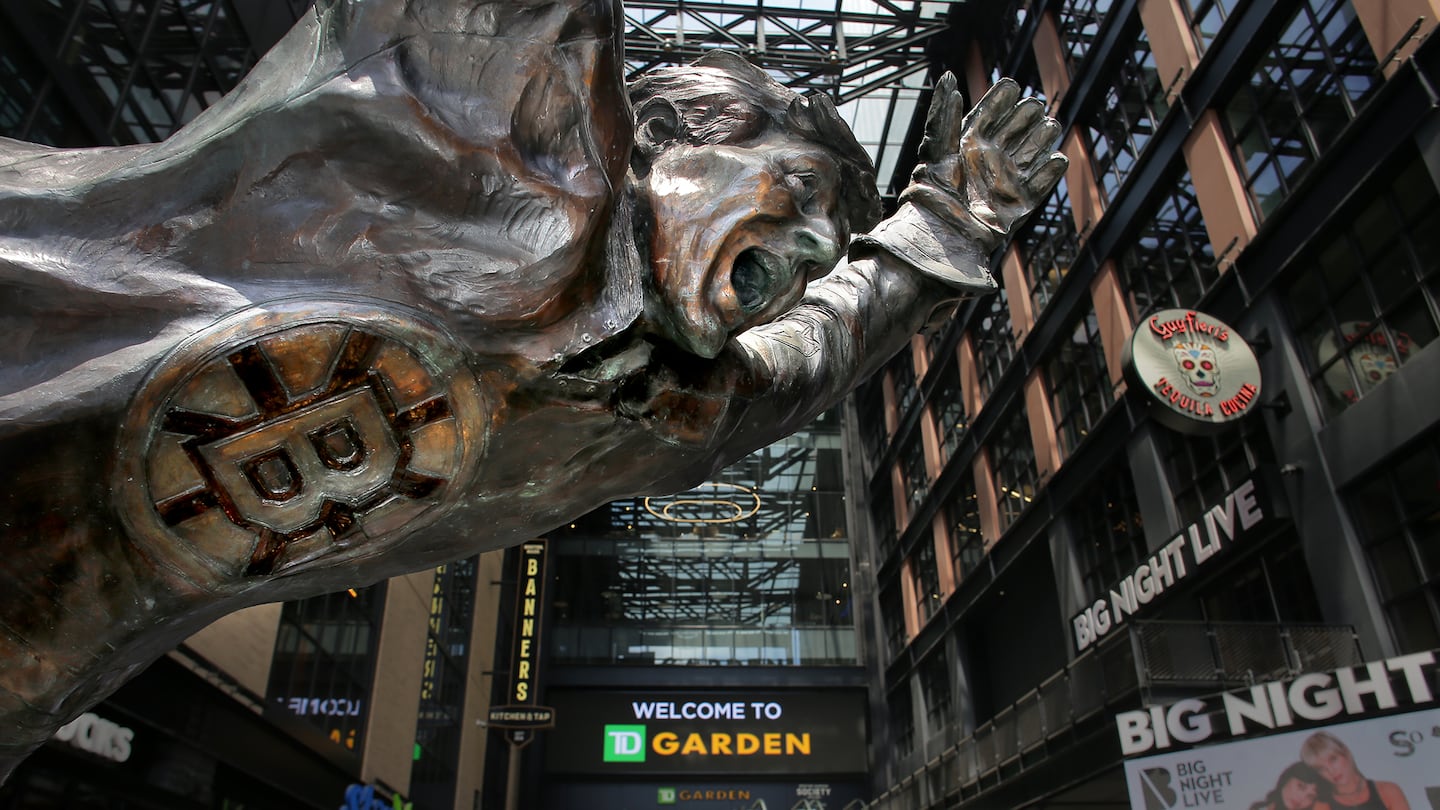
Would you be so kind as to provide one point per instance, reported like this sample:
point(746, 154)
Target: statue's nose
point(817, 247)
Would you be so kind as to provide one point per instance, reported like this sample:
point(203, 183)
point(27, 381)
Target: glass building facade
point(723, 594)
point(750, 569)
point(1267, 164)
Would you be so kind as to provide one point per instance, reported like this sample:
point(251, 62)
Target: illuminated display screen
point(737, 732)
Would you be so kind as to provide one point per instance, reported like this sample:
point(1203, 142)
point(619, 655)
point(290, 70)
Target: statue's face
point(737, 231)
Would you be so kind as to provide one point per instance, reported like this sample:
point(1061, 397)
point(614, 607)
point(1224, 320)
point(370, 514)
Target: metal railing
point(1204, 656)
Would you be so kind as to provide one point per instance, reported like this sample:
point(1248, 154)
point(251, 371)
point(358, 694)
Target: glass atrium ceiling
point(95, 72)
point(868, 55)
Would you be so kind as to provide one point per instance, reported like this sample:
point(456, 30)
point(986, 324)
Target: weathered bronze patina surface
point(430, 281)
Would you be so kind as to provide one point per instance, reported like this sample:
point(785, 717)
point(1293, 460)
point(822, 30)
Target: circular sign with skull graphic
point(295, 434)
point(1199, 374)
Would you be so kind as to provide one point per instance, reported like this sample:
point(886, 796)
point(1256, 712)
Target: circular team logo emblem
point(297, 432)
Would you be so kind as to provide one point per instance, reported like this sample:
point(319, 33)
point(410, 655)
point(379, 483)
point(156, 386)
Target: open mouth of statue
point(754, 277)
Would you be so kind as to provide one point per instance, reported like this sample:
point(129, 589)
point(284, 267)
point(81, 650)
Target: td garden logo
point(624, 743)
point(631, 743)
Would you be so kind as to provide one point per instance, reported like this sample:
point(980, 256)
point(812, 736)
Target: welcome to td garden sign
point(713, 732)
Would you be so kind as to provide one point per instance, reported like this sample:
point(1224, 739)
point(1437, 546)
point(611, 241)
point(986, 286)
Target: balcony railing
point(1213, 656)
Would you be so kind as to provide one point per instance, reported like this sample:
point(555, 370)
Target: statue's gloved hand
point(984, 172)
point(979, 174)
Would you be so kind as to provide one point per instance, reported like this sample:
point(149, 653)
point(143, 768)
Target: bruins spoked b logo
point(288, 434)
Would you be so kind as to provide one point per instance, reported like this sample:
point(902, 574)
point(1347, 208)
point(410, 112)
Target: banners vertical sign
point(523, 714)
point(527, 623)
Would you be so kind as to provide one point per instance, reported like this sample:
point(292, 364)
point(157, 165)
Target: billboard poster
point(1386, 763)
point(707, 732)
point(1364, 737)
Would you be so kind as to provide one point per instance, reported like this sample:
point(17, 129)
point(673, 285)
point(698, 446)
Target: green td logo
point(624, 743)
point(665, 796)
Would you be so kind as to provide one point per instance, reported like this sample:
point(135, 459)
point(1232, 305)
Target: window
point(994, 341)
point(927, 577)
point(1171, 262)
point(186, 56)
point(892, 616)
point(1079, 22)
point(882, 514)
point(1365, 302)
point(1206, 18)
point(1007, 25)
point(1048, 247)
point(870, 399)
point(322, 671)
point(1303, 93)
point(907, 388)
point(1273, 586)
point(1203, 470)
point(935, 690)
point(1080, 390)
point(1027, 74)
point(1397, 513)
point(750, 568)
point(1012, 461)
point(948, 405)
point(902, 720)
point(1109, 530)
point(962, 512)
point(912, 468)
point(1126, 119)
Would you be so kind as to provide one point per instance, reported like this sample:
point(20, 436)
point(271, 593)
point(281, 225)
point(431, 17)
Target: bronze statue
point(428, 283)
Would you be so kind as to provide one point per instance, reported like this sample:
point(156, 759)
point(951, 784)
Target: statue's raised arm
point(424, 285)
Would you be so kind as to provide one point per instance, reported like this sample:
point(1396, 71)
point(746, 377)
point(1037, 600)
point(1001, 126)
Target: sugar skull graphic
point(1196, 362)
point(1371, 355)
point(1375, 366)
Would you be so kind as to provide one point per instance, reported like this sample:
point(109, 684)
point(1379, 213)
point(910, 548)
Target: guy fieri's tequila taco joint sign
point(1197, 373)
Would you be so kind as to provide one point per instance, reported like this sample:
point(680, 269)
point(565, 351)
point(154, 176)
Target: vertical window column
point(909, 593)
point(1042, 427)
point(1013, 467)
point(967, 538)
point(987, 500)
point(1219, 189)
point(1113, 318)
point(1050, 60)
point(1079, 391)
point(1396, 26)
point(1176, 54)
point(1047, 248)
point(1018, 292)
point(1086, 202)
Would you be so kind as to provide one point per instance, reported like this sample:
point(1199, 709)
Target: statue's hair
point(723, 99)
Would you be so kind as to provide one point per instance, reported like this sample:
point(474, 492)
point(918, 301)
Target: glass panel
point(323, 665)
point(1079, 382)
point(1108, 530)
point(1362, 302)
point(688, 579)
point(1012, 460)
point(1398, 512)
point(1123, 123)
point(1301, 95)
point(1171, 262)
